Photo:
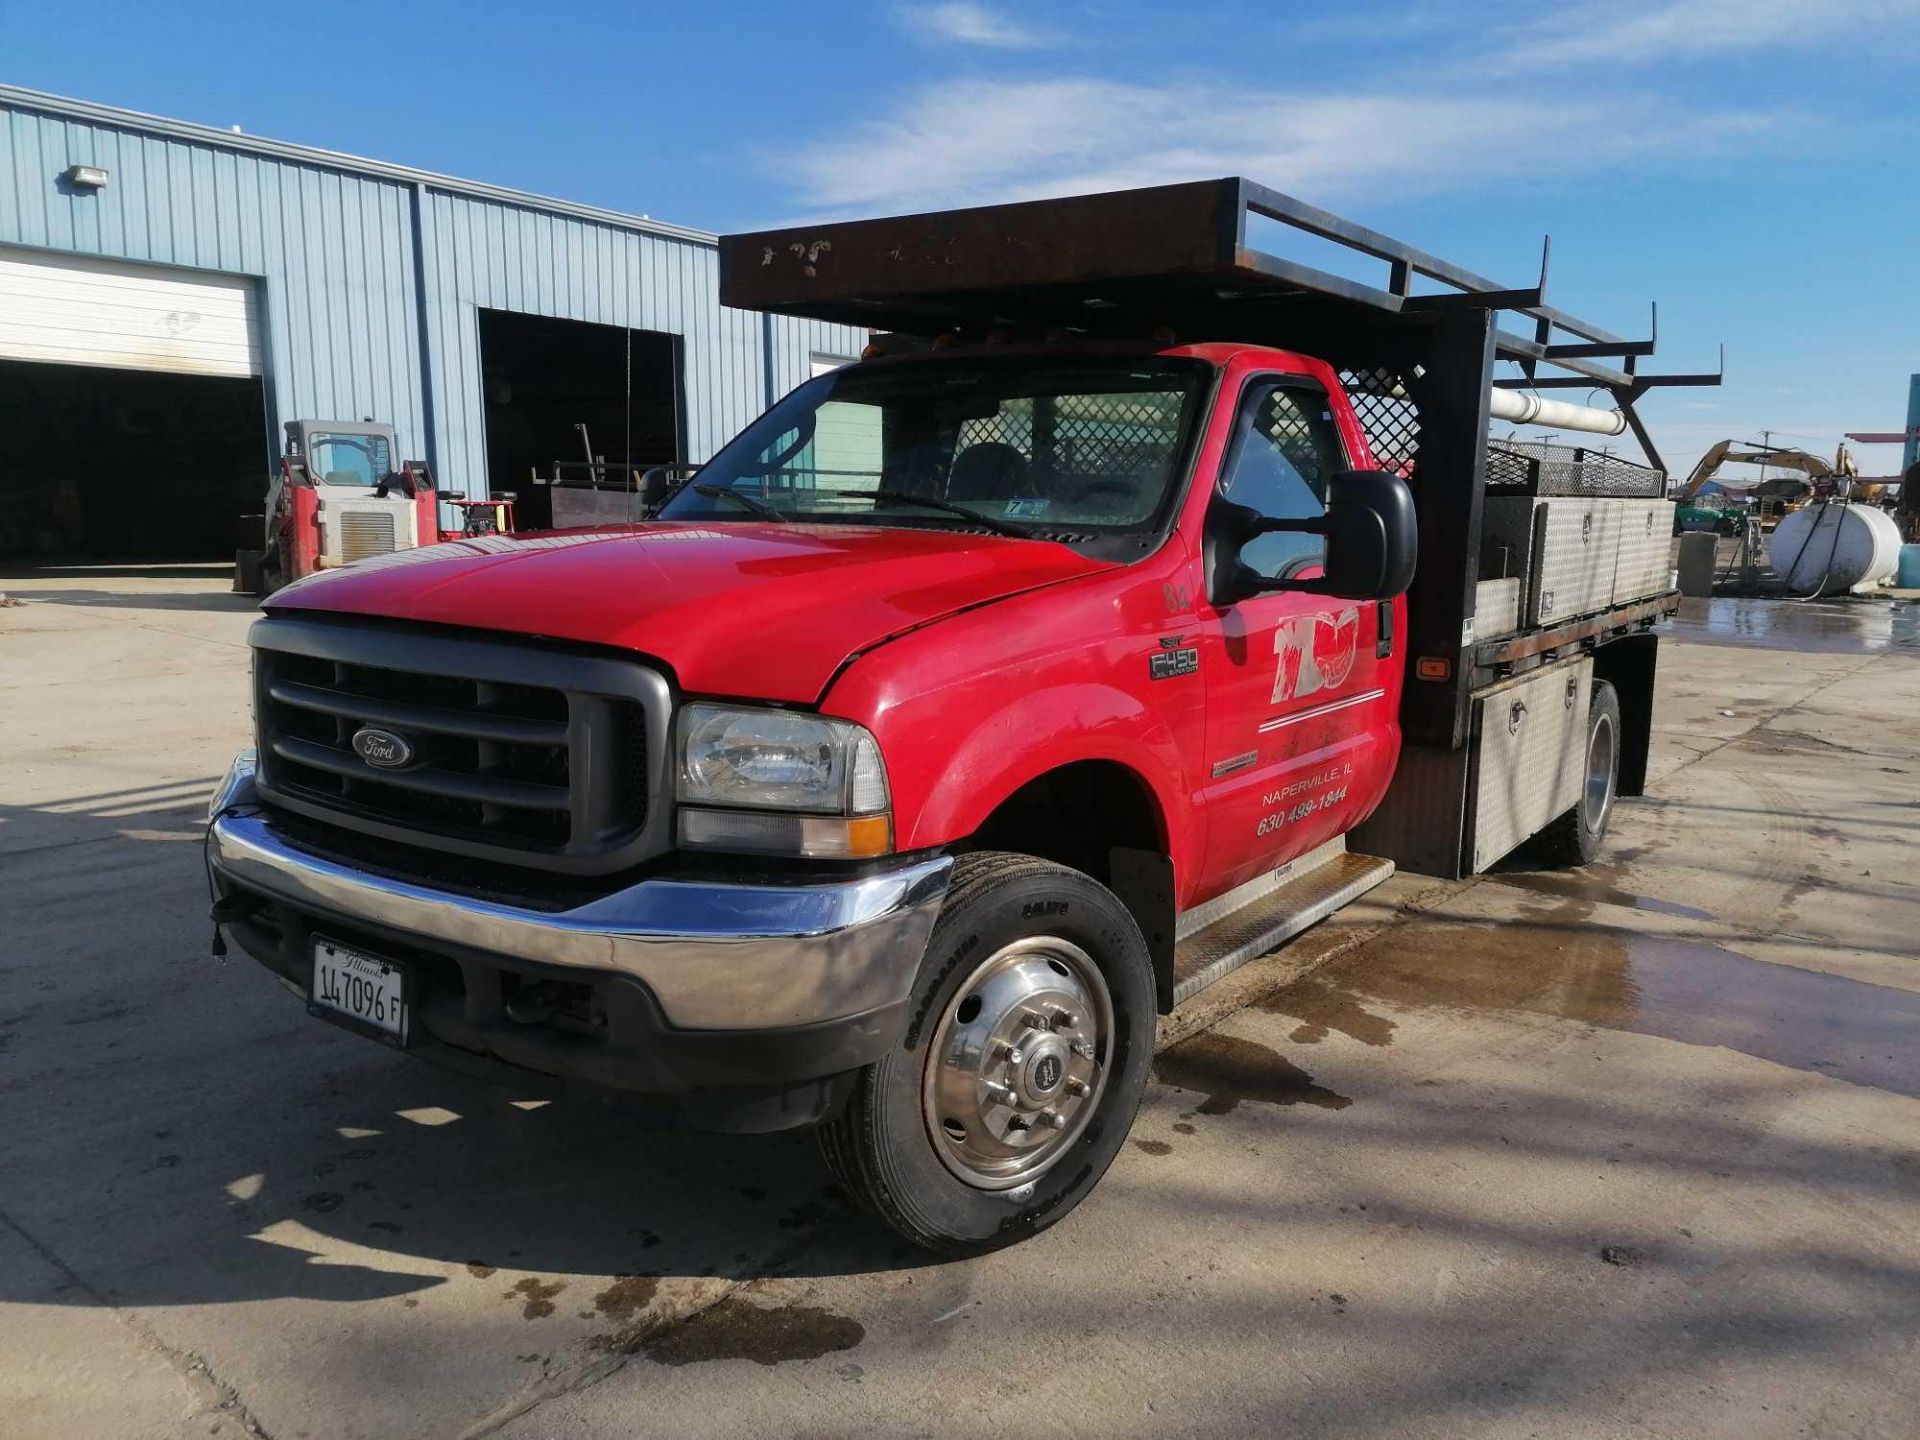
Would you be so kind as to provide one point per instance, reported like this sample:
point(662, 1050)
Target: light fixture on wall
point(86, 177)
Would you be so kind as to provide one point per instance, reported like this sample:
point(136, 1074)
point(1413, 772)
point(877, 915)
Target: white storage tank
point(1833, 546)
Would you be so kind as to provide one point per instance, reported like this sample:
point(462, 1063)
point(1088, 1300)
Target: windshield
point(363, 460)
point(1083, 446)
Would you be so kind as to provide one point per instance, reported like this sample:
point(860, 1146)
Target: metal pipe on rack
point(1518, 408)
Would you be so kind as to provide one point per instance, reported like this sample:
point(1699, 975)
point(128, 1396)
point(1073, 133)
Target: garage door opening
point(103, 464)
point(546, 379)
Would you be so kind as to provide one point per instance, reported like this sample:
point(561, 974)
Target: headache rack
point(1416, 345)
point(1535, 467)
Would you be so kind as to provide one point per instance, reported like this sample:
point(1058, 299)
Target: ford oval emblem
point(382, 748)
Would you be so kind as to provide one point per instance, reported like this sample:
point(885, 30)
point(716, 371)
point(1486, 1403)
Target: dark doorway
point(105, 464)
point(546, 378)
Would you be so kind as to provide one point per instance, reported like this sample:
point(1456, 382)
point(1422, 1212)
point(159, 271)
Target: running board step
point(1251, 931)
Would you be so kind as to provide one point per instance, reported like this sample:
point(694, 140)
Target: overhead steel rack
point(1129, 263)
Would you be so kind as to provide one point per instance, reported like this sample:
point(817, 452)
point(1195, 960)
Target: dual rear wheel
point(1576, 837)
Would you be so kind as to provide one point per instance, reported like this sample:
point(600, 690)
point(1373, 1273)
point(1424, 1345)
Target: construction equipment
point(337, 497)
point(1767, 457)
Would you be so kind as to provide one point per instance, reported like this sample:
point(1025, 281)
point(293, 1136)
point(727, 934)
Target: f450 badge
point(1177, 659)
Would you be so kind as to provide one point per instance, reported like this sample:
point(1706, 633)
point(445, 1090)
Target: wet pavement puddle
point(1591, 884)
point(736, 1329)
point(1556, 961)
point(1838, 625)
point(1323, 1009)
point(627, 1297)
point(1228, 1070)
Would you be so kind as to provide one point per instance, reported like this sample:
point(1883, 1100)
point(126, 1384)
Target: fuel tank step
point(1223, 945)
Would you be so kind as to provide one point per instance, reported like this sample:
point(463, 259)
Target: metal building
point(171, 294)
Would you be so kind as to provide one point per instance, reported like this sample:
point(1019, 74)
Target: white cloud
point(970, 24)
point(977, 141)
point(1606, 31)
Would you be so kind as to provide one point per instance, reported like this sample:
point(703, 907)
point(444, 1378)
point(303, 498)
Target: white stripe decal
point(1285, 720)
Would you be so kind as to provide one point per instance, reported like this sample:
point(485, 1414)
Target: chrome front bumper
point(716, 955)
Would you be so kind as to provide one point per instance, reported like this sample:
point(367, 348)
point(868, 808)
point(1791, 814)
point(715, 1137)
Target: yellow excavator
point(1775, 496)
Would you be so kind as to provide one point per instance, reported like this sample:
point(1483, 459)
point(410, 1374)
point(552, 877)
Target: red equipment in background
point(339, 496)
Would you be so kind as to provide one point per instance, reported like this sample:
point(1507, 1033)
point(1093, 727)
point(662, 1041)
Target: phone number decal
point(1270, 823)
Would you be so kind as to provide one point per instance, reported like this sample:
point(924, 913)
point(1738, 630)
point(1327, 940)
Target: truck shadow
point(183, 587)
point(209, 570)
point(209, 600)
point(391, 1173)
point(181, 1132)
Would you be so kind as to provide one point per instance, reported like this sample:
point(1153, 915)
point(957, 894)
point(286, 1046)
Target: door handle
point(1383, 629)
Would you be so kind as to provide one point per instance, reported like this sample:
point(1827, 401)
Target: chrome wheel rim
point(1598, 796)
point(1018, 1062)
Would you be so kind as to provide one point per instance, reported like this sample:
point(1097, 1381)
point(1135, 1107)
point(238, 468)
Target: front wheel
point(1022, 1067)
point(1575, 838)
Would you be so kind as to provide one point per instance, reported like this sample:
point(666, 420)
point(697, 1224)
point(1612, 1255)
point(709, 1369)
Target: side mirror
point(655, 485)
point(1372, 541)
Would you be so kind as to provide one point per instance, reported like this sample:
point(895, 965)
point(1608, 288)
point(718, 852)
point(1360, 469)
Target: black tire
point(1576, 837)
point(881, 1147)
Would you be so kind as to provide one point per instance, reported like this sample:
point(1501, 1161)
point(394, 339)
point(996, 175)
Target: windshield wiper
point(722, 492)
point(965, 512)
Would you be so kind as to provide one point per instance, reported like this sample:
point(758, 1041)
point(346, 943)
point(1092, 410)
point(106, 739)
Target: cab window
point(362, 460)
point(1285, 450)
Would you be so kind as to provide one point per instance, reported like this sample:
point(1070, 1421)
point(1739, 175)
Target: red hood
point(768, 611)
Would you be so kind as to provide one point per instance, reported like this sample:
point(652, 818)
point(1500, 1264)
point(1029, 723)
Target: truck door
point(1300, 732)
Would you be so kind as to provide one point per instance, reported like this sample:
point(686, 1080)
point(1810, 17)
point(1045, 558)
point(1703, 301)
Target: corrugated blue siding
point(331, 252)
point(485, 254)
point(346, 291)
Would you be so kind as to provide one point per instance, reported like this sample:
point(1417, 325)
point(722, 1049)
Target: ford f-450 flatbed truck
point(1141, 599)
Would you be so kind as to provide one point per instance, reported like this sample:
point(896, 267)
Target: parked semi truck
point(1141, 599)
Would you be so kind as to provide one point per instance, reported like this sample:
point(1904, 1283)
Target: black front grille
point(540, 757)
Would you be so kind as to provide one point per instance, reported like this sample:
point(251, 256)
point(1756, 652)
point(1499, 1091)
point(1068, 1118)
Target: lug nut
point(999, 1094)
point(1053, 1120)
point(1034, 1020)
point(1076, 1087)
point(1063, 1019)
point(1082, 1049)
point(1012, 1054)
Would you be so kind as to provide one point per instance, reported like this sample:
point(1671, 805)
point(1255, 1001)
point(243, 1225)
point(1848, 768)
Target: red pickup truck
point(973, 707)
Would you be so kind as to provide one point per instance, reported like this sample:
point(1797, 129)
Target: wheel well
point(1099, 818)
point(1628, 665)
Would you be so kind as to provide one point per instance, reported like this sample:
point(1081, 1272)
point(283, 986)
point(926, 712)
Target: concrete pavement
point(1625, 1152)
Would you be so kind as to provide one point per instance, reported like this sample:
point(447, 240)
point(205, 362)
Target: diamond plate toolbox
point(1570, 544)
point(1643, 559)
point(1529, 756)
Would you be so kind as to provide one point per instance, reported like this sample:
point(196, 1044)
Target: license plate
point(365, 991)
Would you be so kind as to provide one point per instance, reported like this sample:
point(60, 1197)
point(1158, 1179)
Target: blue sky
point(1753, 165)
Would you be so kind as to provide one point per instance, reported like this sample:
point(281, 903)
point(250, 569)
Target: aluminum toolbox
point(1569, 544)
point(1643, 549)
point(1496, 608)
point(1529, 756)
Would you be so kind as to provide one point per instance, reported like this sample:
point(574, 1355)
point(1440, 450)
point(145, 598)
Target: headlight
point(822, 779)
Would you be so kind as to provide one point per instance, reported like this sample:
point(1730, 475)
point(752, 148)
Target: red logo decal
point(1315, 653)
